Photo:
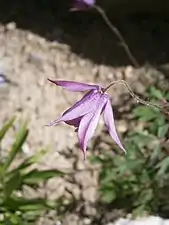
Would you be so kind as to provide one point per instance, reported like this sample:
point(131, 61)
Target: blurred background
point(43, 178)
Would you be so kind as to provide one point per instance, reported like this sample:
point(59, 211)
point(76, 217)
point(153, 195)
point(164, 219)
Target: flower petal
point(82, 4)
point(75, 86)
point(86, 105)
point(109, 121)
point(89, 2)
point(82, 129)
point(89, 123)
point(74, 122)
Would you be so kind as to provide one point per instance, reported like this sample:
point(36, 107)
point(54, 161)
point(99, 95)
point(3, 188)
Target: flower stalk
point(136, 97)
point(118, 35)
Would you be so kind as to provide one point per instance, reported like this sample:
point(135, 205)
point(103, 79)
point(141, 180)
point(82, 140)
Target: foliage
point(15, 208)
point(139, 180)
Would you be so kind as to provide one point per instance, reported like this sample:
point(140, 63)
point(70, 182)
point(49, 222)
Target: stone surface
point(28, 59)
point(152, 220)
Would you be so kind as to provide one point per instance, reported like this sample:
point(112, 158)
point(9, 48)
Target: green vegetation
point(15, 208)
point(139, 181)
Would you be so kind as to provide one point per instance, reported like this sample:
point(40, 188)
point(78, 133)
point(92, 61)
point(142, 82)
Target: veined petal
point(75, 86)
point(110, 123)
point(82, 129)
point(89, 123)
point(86, 105)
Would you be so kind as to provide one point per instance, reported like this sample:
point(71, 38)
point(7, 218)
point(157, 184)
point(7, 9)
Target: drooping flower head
point(84, 114)
point(83, 4)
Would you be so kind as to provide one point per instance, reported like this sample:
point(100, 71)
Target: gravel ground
point(28, 59)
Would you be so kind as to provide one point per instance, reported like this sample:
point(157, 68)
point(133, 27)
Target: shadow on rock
point(87, 34)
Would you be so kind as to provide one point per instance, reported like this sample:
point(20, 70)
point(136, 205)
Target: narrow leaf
point(163, 166)
point(12, 185)
point(17, 145)
point(21, 203)
point(145, 113)
point(5, 128)
point(154, 92)
point(28, 162)
point(36, 176)
point(163, 130)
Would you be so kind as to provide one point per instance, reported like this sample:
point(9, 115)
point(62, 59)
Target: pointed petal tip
point(52, 123)
point(110, 123)
point(48, 125)
point(84, 157)
point(124, 150)
point(81, 146)
point(119, 144)
point(52, 81)
point(84, 154)
point(76, 86)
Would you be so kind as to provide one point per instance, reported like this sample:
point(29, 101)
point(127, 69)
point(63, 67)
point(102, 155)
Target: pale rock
point(90, 194)
point(165, 222)
point(55, 188)
point(152, 220)
point(11, 26)
point(87, 221)
point(89, 210)
point(84, 178)
point(71, 219)
point(74, 190)
point(121, 126)
point(122, 221)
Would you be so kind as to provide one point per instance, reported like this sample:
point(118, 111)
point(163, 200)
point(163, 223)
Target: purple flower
point(83, 4)
point(84, 114)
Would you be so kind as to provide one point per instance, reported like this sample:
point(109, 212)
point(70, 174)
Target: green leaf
point(12, 185)
point(32, 215)
point(142, 139)
point(35, 176)
point(28, 162)
point(5, 128)
point(36, 157)
point(163, 130)
point(108, 195)
point(145, 113)
point(95, 159)
point(145, 196)
point(17, 145)
point(156, 154)
point(24, 204)
point(154, 92)
point(133, 164)
point(163, 166)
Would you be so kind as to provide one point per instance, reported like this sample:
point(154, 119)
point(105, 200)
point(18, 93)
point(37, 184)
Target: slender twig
point(118, 34)
point(138, 99)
